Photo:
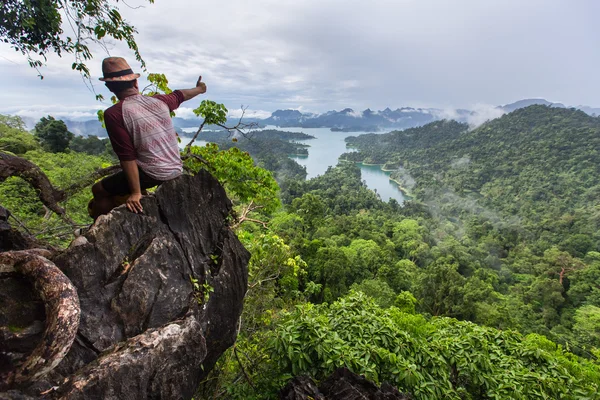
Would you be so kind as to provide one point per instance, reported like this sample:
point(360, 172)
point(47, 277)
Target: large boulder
point(160, 293)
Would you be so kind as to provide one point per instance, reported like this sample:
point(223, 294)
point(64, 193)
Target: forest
point(485, 285)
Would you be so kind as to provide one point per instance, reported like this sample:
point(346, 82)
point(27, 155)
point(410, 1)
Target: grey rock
point(144, 331)
point(301, 388)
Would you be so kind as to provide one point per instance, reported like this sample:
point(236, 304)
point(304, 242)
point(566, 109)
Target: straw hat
point(116, 69)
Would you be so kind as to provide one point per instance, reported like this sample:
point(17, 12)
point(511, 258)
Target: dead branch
point(11, 165)
point(240, 127)
point(62, 314)
point(21, 224)
point(244, 217)
point(261, 281)
point(188, 147)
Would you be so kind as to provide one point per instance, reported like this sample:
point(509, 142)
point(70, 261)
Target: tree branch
point(188, 147)
point(242, 367)
point(261, 281)
point(240, 127)
point(11, 165)
point(251, 207)
point(62, 314)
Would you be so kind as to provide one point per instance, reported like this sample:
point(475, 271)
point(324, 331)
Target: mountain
point(346, 120)
point(91, 127)
point(529, 102)
point(594, 112)
point(539, 162)
point(350, 120)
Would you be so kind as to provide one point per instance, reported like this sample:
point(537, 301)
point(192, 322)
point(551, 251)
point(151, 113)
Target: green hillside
point(539, 163)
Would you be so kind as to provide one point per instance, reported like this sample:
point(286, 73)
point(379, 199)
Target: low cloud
point(461, 162)
point(404, 177)
point(260, 114)
point(476, 115)
point(449, 205)
point(188, 113)
point(35, 112)
point(481, 113)
point(185, 113)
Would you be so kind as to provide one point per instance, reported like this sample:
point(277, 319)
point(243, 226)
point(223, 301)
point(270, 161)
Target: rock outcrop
point(341, 385)
point(160, 293)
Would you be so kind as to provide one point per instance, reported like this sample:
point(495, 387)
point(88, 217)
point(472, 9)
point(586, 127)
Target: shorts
point(117, 184)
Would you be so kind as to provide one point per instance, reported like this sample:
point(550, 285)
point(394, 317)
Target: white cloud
point(71, 112)
point(460, 162)
point(482, 113)
point(333, 54)
point(185, 112)
point(237, 113)
point(479, 114)
point(446, 113)
point(356, 114)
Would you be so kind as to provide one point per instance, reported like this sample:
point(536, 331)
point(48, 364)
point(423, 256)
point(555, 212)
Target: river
point(324, 152)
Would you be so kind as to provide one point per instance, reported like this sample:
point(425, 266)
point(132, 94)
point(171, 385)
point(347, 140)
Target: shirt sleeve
point(119, 137)
point(172, 100)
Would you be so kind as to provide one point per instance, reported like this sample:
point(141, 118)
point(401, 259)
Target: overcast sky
point(318, 55)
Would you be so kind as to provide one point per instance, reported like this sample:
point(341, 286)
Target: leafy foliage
point(53, 134)
point(236, 171)
point(13, 136)
point(212, 112)
point(269, 148)
point(63, 169)
point(438, 359)
point(90, 145)
point(338, 277)
point(35, 28)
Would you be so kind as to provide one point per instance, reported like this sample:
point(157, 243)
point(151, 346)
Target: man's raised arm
point(191, 93)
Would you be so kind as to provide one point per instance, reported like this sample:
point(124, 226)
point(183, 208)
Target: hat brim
point(124, 78)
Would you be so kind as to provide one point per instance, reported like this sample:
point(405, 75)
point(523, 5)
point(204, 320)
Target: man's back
point(151, 140)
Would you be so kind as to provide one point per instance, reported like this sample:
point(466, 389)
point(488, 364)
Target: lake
point(324, 152)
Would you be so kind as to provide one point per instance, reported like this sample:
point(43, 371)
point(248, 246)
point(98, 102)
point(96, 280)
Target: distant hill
point(540, 163)
point(529, 102)
point(590, 110)
point(349, 120)
point(346, 120)
point(86, 128)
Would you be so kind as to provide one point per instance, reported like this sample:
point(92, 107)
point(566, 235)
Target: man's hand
point(191, 93)
point(201, 85)
point(133, 203)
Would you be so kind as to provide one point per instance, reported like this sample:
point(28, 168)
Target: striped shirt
point(140, 129)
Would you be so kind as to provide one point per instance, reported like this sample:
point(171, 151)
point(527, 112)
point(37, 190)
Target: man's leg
point(103, 201)
point(112, 191)
point(106, 194)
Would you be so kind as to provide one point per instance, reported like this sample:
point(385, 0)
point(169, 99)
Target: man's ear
point(135, 84)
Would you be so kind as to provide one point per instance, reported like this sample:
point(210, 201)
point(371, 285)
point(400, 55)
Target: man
point(142, 135)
